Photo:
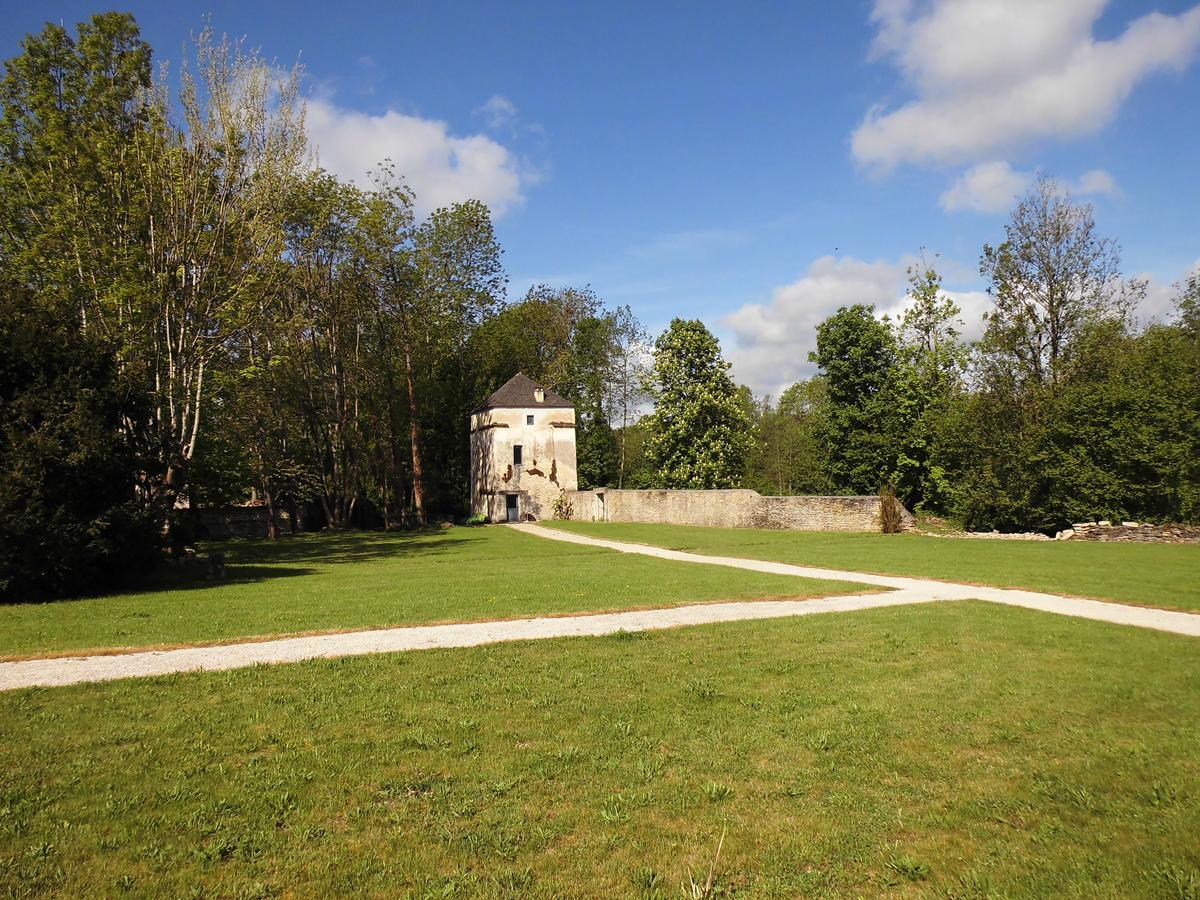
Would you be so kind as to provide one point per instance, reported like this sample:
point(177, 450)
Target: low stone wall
point(1132, 531)
point(731, 509)
point(226, 522)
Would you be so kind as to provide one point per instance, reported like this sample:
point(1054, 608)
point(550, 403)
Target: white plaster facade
point(508, 484)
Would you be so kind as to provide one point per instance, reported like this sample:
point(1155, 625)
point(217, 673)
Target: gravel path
point(1099, 610)
point(73, 670)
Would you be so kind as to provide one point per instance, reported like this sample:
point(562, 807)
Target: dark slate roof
point(517, 393)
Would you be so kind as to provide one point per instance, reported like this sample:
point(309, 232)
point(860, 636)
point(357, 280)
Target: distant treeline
point(192, 310)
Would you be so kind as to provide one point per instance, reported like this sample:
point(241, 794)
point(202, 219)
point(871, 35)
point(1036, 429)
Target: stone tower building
point(522, 452)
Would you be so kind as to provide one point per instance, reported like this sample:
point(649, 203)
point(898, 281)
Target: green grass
point(361, 580)
point(1166, 575)
point(954, 749)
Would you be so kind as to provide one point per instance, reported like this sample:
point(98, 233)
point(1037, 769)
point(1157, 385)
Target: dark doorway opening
point(510, 508)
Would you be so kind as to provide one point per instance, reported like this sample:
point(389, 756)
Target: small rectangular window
point(529, 420)
point(516, 454)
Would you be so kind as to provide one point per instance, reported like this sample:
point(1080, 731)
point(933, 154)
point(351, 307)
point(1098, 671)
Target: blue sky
point(755, 165)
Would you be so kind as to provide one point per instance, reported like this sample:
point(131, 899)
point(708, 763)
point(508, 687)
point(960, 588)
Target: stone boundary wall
point(731, 509)
point(224, 522)
point(1132, 532)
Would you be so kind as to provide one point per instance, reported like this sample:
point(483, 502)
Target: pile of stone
point(1140, 532)
point(992, 535)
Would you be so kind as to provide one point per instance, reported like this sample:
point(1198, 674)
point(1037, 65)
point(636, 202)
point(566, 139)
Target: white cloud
point(988, 187)
point(1097, 181)
point(1159, 303)
point(772, 340)
point(992, 76)
point(994, 187)
point(440, 167)
point(499, 112)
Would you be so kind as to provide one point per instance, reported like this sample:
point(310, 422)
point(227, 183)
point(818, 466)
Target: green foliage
point(786, 457)
point(597, 452)
point(70, 518)
point(890, 517)
point(857, 356)
point(1050, 278)
point(699, 430)
point(562, 507)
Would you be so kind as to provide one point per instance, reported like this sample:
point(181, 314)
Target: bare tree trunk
point(414, 425)
point(272, 514)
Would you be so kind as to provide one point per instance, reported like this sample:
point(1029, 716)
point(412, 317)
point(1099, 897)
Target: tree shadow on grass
point(256, 561)
point(331, 547)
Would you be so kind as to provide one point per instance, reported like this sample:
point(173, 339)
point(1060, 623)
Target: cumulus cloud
point(1159, 303)
point(989, 77)
point(440, 167)
point(988, 187)
point(994, 187)
point(771, 341)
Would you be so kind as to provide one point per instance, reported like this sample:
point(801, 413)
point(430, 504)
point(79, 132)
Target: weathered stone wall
point(227, 522)
point(731, 509)
point(1132, 531)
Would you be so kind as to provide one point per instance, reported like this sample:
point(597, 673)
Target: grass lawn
point(1166, 575)
point(366, 579)
point(955, 749)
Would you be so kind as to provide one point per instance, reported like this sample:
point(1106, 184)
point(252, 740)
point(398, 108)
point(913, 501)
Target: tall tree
point(700, 433)
point(1050, 277)
point(72, 222)
point(856, 353)
point(156, 219)
point(927, 378)
point(459, 283)
point(70, 519)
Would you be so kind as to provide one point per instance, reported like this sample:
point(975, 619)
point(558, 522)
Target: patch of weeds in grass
point(650, 767)
point(623, 634)
point(569, 755)
point(821, 742)
point(1176, 881)
point(1162, 793)
point(703, 887)
point(503, 786)
point(514, 882)
point(420, 739)
point(973, 886)
point(702, 688)
point(1046, 832)
point(907, 867)
point(613, 811)
point(716, 791)
point(647, 882)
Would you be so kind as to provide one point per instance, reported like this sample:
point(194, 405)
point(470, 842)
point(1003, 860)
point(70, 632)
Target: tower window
point(516, 454)
point(529, 420)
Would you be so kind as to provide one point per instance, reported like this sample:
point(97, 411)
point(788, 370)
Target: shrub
point(563, 508)
point(70, 517)
point(891, 517)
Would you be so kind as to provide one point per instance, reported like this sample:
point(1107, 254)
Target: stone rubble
point(1142, 533)
point(1105, 531)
